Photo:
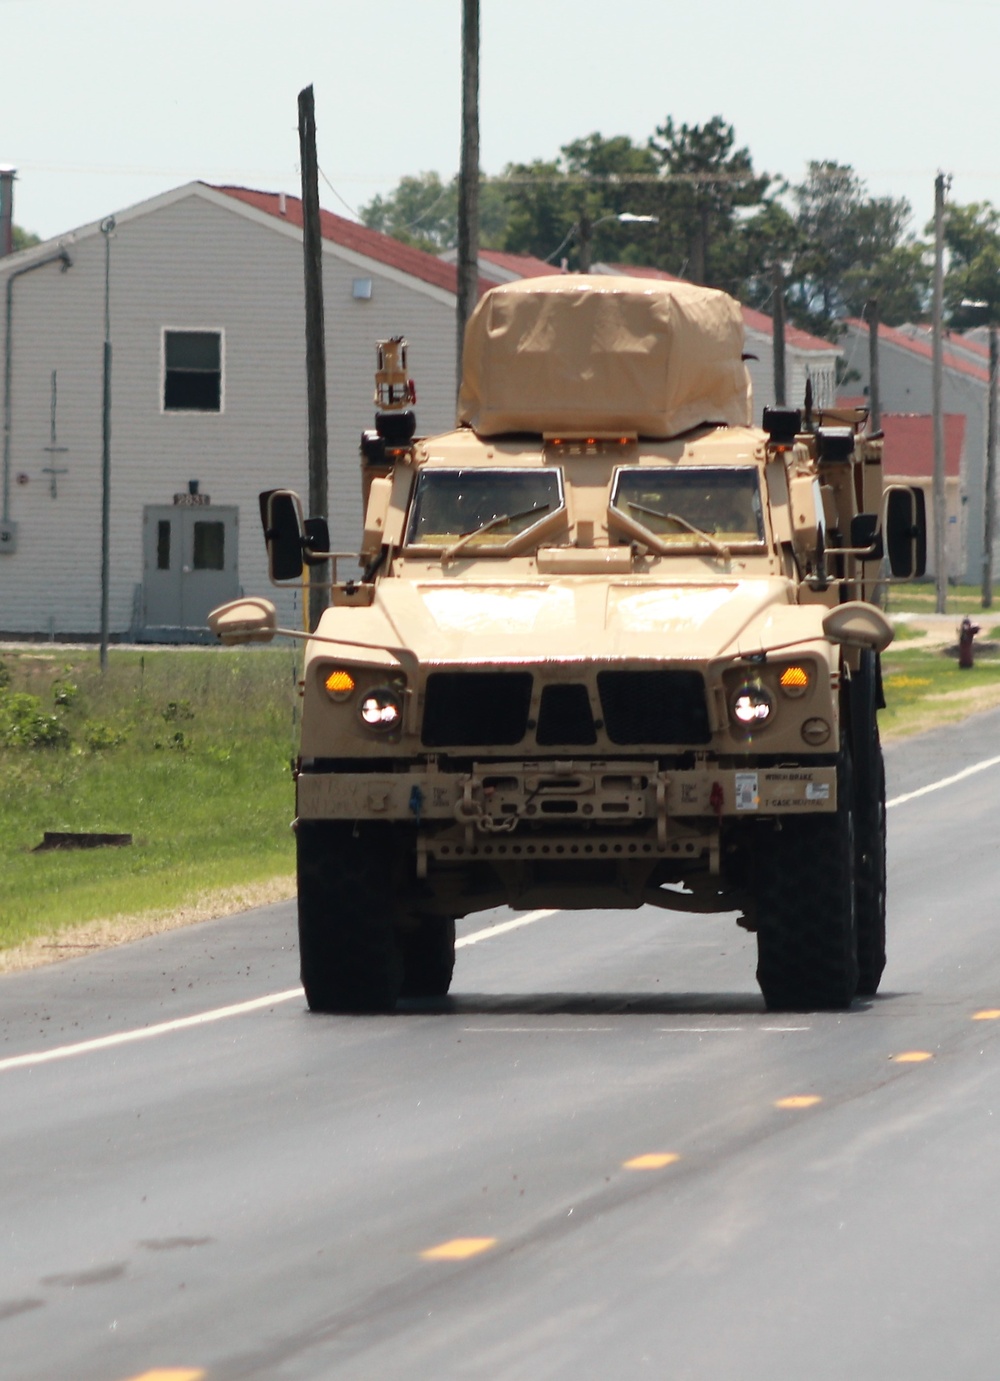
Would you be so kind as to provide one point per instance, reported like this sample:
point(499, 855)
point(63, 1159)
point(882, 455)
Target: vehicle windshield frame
point(681, 538)
point(494, 543)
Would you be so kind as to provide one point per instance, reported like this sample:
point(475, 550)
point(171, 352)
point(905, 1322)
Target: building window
point(209, 547)
point(163, 545)
point(192, 371)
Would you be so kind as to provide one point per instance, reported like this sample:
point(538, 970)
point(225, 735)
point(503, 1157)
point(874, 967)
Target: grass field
point(921, 598)
point(186, 750)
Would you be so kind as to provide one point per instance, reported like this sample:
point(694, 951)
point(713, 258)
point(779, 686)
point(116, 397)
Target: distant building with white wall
point(905, 386)
point(208, 392)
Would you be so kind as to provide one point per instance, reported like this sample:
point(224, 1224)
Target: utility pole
point(991, 466)
point(468, 179)
point(874, 394)
point(107, 230)
point(778, 335)
point(312, 253)
point(940, 509)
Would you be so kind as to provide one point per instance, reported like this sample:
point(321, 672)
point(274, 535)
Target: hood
point(448, 622)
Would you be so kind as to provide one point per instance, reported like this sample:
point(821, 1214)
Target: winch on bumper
point(604, 808)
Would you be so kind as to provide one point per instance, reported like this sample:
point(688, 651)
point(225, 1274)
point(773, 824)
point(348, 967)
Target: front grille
point(473, 709)
point(654, 706)
point(564, 717)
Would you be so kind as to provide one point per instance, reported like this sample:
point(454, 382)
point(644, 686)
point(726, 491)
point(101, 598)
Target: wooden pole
point(107, 230)
point(468, 179)
point(937, 372)
point(778, 335)
point(991, 469)
point(312, 252)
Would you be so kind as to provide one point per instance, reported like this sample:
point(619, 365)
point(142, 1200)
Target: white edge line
point(503, 927)
point(945, 781)
point(63, 1052)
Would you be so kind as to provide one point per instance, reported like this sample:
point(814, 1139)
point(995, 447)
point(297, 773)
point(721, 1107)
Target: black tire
point(806, 938)
point(350, 961)
point(869, 812)
point(428, 956)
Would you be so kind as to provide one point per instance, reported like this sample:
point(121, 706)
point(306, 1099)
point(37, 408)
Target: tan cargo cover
point(580, 354)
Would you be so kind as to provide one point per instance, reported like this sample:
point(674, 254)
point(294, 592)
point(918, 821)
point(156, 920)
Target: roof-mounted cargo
point(580, 355)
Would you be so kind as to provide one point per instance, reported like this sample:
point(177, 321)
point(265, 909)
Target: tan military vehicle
point(611, 646)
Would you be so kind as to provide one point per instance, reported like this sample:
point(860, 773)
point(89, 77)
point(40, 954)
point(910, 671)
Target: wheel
point(806, 936)
point(350, 961)
point(428, 957)
point(869, 824)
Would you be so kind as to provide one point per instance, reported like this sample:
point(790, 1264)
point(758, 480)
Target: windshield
point(486, 507)
point(678, 504)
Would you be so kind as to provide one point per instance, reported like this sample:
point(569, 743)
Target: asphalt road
point(266, 1193)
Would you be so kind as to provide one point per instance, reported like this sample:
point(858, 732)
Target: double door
point(189, 563)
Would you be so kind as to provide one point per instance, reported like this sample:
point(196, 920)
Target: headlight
point(381, 709)
point(751, 706)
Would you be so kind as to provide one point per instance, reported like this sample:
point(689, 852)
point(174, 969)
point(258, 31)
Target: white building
point(207, 391)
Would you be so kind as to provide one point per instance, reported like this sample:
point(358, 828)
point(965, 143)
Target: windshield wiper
point(450, 552)
point(719, 547)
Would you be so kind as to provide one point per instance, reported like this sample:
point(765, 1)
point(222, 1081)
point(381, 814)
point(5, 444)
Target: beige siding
point(189, 263)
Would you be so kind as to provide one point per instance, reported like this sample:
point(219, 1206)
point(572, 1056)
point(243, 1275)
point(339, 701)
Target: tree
point(705, 181)
point(553, 206)
point(852, 247)
point(24, 239)
point(972, 283)
point(423, 211)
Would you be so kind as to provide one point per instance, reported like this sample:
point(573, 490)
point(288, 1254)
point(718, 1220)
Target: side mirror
point(906, 532)
point(857, 624)
point(281, 516)
point(244, 621)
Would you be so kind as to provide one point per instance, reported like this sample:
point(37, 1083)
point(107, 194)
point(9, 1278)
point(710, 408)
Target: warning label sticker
point(747, 791)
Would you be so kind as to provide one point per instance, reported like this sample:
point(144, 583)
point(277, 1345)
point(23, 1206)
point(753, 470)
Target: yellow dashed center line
point(654, 1160)
point(989, 1014)
point(170, 1374)
point(458, 1249)
point(799, 1100)
point(911, 1057)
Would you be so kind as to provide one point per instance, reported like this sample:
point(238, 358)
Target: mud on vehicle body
point(611, 646)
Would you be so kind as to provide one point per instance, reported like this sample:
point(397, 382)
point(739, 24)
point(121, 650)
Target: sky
point(108, 102)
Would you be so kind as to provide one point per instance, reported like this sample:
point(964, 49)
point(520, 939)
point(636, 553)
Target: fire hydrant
point(967, 631)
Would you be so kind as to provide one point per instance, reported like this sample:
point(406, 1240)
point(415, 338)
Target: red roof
point(801, 340)
point(752, 319)
point(909, 444)
point(524, 265)
point(888, 335)
point(359, 238)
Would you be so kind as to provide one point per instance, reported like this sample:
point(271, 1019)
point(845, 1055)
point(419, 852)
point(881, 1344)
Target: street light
point(584, 231)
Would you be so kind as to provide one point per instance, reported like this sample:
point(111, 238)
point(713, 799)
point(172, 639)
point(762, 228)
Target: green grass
point(921, 598)
point(925, 687)
point(186, 750)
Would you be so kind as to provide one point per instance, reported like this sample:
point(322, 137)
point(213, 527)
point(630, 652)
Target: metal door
point(189, 563)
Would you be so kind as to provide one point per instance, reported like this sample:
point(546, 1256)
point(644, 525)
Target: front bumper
point(591, 795)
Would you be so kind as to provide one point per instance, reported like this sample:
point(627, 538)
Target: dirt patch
point(120, 930)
